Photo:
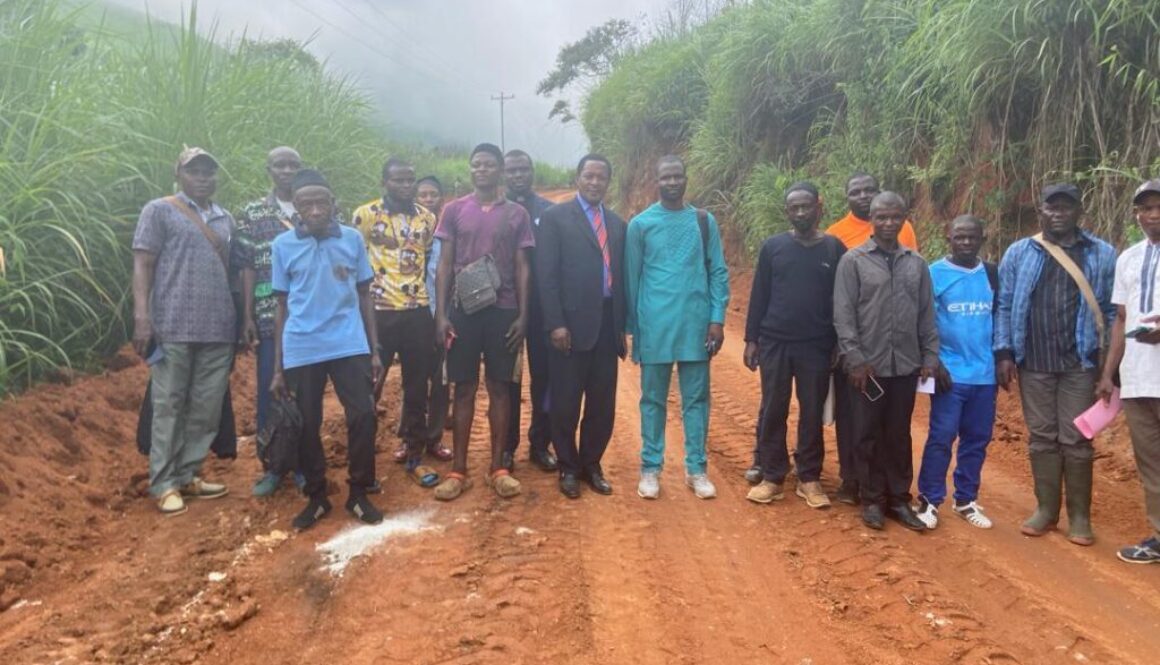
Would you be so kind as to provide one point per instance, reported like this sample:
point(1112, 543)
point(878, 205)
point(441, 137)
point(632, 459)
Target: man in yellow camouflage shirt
point(399, 235)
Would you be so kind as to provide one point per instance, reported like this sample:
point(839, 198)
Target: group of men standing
point(855, 311)
point(441, 288)
point(858, 312)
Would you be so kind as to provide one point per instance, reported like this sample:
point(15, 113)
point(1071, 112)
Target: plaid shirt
point(1019, 274)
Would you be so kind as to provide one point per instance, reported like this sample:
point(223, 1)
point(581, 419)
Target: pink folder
point(1099, 416)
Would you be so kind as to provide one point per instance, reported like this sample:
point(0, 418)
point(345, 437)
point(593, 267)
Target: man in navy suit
point(579, 272)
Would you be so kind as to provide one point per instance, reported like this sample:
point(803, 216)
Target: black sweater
point(793, 291)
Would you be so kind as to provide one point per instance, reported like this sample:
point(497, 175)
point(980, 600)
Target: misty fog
point(432, 67)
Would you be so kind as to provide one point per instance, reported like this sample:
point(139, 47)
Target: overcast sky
point(433, 65)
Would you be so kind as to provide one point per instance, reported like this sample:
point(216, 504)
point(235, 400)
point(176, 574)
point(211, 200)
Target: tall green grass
point(961, 104)
point(91, 120)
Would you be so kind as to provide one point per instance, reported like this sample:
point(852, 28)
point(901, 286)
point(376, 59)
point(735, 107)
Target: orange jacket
point(853, 232)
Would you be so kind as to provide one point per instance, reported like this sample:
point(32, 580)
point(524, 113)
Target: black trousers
point(410, 333)
point(540, 428)
point(883, 453)
point(352, 383)
point(438, 397)
point(785, 365)
point(588, 377)
point(846, 426)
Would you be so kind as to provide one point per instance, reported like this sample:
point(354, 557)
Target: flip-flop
point(452, 486)
point(400, 454)
point(504, 484)
point(424, 476)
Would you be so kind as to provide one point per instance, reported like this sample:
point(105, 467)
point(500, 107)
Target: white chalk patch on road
point(346, 545)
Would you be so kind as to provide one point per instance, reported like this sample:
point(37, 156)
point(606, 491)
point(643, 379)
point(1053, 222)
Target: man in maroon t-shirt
point(480, 224)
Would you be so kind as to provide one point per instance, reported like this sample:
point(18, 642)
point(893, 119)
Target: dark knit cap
point(308, 178)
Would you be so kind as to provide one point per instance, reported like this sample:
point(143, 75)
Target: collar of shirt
point(522, 199)
point(588, 208)
point(898, 251)
point(213, 212)
point(488, 206)
point(392, 209)
point(333, 230)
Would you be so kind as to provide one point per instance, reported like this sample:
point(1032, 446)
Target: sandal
point(440, 452)
point(504, 484)
point(424, 476)
point(452, 486)
point(400, 454)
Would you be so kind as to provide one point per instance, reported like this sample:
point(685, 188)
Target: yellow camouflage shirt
point(398, 244)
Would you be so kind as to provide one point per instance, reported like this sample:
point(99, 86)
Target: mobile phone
point(873, 390)
point(1140, 330)
point(711, 346)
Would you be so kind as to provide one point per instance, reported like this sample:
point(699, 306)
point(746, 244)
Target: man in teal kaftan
point(677, 288)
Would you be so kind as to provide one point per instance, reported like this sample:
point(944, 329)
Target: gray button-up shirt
point(884, 311)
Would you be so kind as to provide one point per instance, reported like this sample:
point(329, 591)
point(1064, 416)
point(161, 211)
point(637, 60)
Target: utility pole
point(501, 98)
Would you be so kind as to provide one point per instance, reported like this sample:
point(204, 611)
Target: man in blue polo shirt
point(964, 405)
point(325, 328)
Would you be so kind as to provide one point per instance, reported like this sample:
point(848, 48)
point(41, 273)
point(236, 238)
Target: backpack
point(277, 443)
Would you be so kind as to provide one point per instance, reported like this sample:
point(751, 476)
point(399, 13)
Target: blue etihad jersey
point(963, 300)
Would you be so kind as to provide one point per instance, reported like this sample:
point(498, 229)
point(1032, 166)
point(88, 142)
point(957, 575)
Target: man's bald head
point(887, 200)
point(887, 215)
point(282, 164)
point(281, 152)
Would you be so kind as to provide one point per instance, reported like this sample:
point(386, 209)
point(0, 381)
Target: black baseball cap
point(1149, 187)
point(1061, 189)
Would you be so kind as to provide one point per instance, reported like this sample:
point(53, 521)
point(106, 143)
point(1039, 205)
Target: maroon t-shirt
point(501, 230)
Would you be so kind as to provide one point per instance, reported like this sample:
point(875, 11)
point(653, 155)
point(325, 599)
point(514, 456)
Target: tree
point(587, 60)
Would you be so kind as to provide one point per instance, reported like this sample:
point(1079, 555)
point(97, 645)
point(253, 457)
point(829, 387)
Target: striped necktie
point(602, 239)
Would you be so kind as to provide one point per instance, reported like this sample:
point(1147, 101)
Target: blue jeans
point(968, 414)
point(265, 376)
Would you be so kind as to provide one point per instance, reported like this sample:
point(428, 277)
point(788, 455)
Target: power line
point(501, 98)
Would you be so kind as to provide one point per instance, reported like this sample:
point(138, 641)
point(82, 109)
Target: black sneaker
point(362, 509)
point(315, 510)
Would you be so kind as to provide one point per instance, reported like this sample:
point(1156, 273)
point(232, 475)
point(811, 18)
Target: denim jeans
point(265, 376)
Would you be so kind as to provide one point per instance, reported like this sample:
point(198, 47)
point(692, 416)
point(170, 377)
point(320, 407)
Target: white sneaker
point(701, 485)
point(649, 486)
point(927, 513)
point(973, 514)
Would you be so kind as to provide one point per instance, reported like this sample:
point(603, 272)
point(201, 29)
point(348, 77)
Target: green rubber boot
point(1077, 476)
point(1047, 470)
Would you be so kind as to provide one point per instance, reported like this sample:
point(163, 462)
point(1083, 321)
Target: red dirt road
point(90, 573)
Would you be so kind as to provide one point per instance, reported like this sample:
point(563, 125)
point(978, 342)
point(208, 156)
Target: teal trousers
point(188, 387)
point(654, 394)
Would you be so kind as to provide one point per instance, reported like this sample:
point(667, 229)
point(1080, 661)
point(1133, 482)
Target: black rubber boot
point(1077, 475)
point(1047, 470)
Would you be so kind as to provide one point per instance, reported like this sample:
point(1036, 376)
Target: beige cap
point(189, 154)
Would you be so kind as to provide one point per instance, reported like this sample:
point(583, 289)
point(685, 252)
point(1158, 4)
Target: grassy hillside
point(961, 104)
point(96, 105)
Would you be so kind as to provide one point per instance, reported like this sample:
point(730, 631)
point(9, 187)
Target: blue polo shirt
point(320, 277)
